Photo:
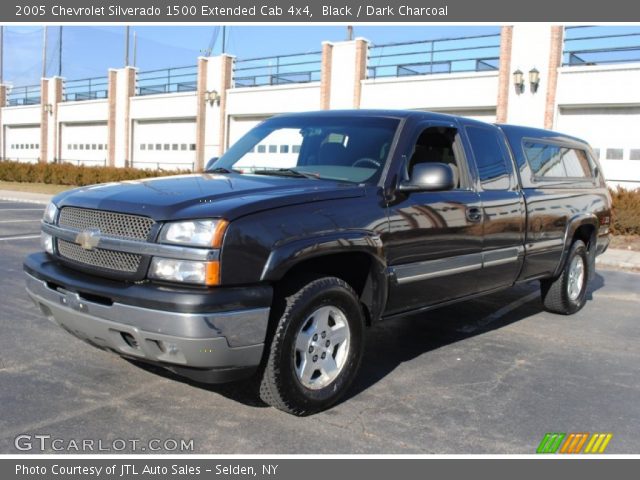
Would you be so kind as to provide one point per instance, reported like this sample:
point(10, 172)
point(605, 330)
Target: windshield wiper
point(286, 172)
point(221, 170)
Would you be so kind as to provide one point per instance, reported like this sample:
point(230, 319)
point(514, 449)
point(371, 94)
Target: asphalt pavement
point(491, 375)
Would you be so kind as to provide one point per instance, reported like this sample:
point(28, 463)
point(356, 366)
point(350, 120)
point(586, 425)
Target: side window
point(493, 164)
point(435, 144)
point(576, 163)
point(555, 161)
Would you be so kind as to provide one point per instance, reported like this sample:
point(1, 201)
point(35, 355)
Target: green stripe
point(558, 442)
point(543, 443)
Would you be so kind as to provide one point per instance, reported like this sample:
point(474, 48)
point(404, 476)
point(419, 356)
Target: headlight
point(185, 271)
point(50, 213)
point(46, 241)
point(197, 233)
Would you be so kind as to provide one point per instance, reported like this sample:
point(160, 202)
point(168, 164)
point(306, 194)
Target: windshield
point(351, 149)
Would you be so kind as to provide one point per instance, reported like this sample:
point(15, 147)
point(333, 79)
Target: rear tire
point(316, 348)
point(567, 293)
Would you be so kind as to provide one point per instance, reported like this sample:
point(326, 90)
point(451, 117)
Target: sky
point(89, 51)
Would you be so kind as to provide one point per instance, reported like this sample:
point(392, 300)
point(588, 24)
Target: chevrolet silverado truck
point(311, 228)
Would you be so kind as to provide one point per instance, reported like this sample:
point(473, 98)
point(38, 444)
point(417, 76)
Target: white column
point(124, 90)
point(218, 79)
point(530, 49)
point(346, 73)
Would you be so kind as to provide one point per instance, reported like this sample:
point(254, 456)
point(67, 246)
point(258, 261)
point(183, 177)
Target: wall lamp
point(212, 97)
point(48, 108)
point(534, 80)
point(518, 81)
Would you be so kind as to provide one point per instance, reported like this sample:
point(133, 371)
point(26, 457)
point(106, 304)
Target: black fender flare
point(285, 256)
point(573, 224)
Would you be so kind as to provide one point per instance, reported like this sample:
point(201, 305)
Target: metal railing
point(167, 80)
point(278, 70)
point(600, 45)
point(85, 89)
point(24, 95)
point(440, 55)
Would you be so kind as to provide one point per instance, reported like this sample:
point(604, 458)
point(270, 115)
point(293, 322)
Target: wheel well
point(586, 233)
point(355, 268)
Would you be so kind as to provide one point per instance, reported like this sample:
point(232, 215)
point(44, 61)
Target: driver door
point(434, 245)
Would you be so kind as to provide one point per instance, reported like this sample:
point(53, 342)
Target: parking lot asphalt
point(490, 375)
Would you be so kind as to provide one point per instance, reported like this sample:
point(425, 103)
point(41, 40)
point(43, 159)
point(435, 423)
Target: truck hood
point(205, 195)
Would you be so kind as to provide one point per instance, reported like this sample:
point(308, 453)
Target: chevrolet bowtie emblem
point(88, 239)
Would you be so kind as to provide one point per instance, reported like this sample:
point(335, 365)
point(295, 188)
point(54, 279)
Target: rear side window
point(491, 158)
point(554, 161)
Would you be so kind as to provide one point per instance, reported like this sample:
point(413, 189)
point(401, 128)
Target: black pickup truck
point(311, 228)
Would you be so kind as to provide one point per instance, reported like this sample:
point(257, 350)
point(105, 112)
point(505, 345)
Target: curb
point(627, 266)
point(24, 200)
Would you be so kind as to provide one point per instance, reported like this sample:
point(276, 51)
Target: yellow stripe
point(591, 442)
point(581, 443)
point(605, 443)
point(567, 442)
point(598, 442)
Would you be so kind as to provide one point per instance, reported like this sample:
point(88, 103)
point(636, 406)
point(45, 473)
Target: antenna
point(126, 46)
point(135, 48)
point(224, 39)
point(44, 52)
point(1, 55)
point(60, 53)
point(349, 32)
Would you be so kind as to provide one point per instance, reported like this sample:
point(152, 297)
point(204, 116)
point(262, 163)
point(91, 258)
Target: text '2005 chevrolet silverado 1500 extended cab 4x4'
point(310, 228)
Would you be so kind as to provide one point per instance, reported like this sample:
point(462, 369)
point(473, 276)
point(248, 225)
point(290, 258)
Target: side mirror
point(211, 161)
point(429, 177)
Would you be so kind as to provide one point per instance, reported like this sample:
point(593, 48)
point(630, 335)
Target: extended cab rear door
point(503, 205)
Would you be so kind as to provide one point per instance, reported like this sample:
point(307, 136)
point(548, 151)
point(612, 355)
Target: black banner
point(305, 11)
point(313, 469)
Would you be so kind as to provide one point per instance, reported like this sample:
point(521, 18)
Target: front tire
point(567, 293)
point(316, 348)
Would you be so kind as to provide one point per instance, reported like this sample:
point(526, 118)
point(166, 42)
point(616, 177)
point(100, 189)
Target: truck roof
point(509, 129)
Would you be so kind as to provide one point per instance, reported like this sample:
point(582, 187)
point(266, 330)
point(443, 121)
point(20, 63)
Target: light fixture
point(518, 81)
point(48, 108)
point(534, 79)
point(212, 97)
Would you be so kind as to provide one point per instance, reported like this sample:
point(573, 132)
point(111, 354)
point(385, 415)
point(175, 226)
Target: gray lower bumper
point(202, 341)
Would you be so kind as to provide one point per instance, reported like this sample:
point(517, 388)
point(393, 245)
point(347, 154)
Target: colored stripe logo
point(556, 442)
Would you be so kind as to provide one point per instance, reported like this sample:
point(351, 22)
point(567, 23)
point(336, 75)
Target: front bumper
point(213, 346)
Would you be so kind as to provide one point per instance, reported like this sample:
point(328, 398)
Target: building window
point(634, 154)
point(94, 146)
point(192, 147)
point(295, 149)
point(262, 148)
point(183, 146)
point(284, 148)
point(81, 146)
point(143, 146)
point(273, 149)
point(158, 146)
point(174, 146)
point(100, 146)
point(615, 153)
point(166, 146)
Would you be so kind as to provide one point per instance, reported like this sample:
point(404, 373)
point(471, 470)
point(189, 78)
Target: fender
point(287, 255)
point(573, 224)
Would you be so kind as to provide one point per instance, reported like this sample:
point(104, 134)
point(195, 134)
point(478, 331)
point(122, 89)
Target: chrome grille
point(107, 259)
point(133, 227)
